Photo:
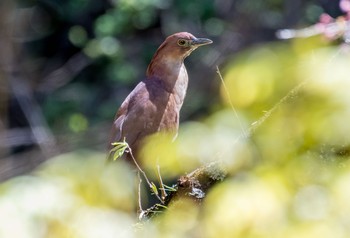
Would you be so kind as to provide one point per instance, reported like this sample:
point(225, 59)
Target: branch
point(65, 73)
point(334, 29)
point(32, 111)
point(118, 150)
point(194, 185)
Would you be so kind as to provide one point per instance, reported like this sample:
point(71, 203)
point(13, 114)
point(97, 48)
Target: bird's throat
point(171, 71)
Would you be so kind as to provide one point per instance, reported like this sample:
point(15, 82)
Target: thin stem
point(162, 189)
point(230, 102)
point(139, 192)
point(255, 125)
point(267, 114)
point(143, 173)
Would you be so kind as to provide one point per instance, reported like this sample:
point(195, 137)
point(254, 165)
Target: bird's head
point(182, 44)
point(170, 55)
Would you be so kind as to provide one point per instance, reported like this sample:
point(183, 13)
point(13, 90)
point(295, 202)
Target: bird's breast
point(170, 119)
point(180, 87)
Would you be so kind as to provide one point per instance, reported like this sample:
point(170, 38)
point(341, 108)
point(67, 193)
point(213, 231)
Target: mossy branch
point(194, 185)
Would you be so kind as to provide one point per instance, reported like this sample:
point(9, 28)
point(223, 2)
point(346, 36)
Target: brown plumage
point(154, 105)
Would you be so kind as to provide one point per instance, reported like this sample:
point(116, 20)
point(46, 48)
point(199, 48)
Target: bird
point(154, 104)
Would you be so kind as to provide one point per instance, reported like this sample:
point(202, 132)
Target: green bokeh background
point(279, 122)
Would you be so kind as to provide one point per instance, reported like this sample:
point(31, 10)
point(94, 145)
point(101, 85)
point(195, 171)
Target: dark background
point(66, 65)
point(277, 122)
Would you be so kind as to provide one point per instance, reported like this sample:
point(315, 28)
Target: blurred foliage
point(63, 199)
point(121, 36)
point(288, 179)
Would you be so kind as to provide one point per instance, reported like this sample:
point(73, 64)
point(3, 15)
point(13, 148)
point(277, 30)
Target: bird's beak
point(201, 41)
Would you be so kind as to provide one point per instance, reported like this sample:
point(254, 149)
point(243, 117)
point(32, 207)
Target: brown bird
point(154, 104)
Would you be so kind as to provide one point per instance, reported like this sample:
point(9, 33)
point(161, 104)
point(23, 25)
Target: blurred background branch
point(66, 65)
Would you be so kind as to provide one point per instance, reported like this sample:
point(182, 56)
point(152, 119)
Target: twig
point(262, 119)
point(16, 137)
point(162, 189)
point(291, 93)
point(139, 193)
point(32, 111)
point(255, 125)
point(65, 73)
point(230, 102)
point(143, 173)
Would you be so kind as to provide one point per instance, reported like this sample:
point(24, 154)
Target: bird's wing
point(135, 118)
point(118, 122)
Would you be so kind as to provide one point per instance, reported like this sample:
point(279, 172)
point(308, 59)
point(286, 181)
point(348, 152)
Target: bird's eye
point(182, 42)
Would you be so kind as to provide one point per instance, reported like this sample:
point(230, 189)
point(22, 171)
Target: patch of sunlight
point(243, 207)
point(341, 193)
point(78, 122)
point(305, 46)
point(159, 149)
point(28, 202)
point(332, 128)
point(92, 49)
point(77, 35)
point(253, 79)
point(324, 229)
point(109, 45)
point(105, 25)
point(327, 72)
point(194, 142)
point(219, 138)
point(180, 220)
point(312, 203)
point(88, 176)
point(89, 222)
point(72, 195)
point(44, 197)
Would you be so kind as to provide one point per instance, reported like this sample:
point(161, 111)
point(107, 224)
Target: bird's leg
point(162, 189)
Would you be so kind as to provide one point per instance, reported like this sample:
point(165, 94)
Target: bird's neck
point(170, 70)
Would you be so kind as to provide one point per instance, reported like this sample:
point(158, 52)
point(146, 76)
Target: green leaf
point(162, 206)
point(168, 188)
point(119, 149)
point(154, 188)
